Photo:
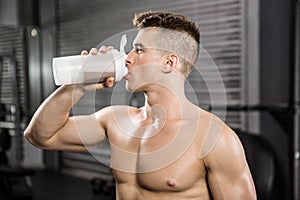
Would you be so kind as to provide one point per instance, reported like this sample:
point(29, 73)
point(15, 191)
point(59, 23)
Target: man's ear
point(171, 62)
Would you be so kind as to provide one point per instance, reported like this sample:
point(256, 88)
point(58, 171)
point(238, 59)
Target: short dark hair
point(167, 20)
point(177, 34)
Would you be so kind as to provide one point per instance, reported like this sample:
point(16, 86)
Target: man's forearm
point(52, 114)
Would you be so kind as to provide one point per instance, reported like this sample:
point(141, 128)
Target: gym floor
point(56, 186)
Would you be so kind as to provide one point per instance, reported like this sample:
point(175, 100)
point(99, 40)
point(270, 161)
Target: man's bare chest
point(180, 175)
point(166, 161)
point(148, 148)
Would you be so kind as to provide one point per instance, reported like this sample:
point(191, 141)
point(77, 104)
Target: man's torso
point(158, 161)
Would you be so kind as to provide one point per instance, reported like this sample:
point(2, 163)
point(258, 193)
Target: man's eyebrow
point(140, 45)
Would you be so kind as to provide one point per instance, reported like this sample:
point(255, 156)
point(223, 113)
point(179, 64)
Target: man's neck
point(164, 103)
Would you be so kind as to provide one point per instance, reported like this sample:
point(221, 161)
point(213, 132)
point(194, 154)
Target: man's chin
point(131, 88)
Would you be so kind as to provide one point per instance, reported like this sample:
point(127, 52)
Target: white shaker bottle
point(90, 68)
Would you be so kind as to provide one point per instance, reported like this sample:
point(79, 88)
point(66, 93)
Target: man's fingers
point(92, 87)
point(100, 86)
point(84, 52)
point(93, 51)
point(105, 49)
point(109, 82)
point(110, 48)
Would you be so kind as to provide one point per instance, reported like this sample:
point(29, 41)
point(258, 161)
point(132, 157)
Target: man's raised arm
point(52, 128)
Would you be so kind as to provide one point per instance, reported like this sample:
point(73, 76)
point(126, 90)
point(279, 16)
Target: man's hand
point(109, 82)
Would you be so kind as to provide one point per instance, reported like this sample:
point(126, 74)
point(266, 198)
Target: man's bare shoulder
point(214, 132)
point(221, 141)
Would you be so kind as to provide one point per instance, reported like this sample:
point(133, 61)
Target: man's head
point(174, 34)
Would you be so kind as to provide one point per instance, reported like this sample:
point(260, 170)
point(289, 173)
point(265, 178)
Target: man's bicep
point(229, 176)
point(78, 133)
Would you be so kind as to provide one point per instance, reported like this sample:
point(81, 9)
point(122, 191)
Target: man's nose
point(129, 60)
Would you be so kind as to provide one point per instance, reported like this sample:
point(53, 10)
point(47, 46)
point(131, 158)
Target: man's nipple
point(171, 183)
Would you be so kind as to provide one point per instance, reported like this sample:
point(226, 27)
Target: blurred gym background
point(254, 43)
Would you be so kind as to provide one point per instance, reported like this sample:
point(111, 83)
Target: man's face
point(144, 62)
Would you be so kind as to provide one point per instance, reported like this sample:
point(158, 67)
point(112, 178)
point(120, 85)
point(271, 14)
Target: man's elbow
point(34, 140)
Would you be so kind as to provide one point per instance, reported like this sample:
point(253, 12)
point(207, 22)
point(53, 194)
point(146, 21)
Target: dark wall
point(276, 56)
point(16, 13)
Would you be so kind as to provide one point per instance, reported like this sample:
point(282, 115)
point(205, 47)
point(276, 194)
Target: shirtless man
point(169, 149)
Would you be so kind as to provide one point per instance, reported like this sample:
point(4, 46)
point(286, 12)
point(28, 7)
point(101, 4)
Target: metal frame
point(296, 136)
point(34, 71)
point(17, 114)
point(47, 36)
point(251, 59)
